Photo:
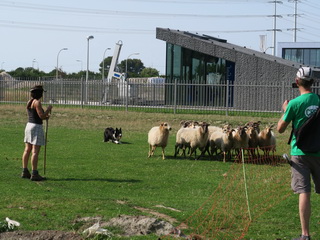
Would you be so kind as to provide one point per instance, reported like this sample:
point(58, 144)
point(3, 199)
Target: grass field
point(87, 177)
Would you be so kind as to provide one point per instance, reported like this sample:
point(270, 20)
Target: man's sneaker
point(302, 237)
point(25, 174)
point(37, 177)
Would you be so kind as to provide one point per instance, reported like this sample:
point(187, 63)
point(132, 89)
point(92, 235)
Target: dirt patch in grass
point(40, 235)
point(121, 226)
point(139, 225)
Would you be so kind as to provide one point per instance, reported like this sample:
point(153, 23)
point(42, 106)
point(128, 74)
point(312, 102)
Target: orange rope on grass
point(224, 215)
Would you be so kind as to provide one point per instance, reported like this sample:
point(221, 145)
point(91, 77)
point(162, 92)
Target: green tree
point(149, 72)
point(107, 63)
point(77, 75)
point(27, 73)
point(134, 67)
point(82, 75)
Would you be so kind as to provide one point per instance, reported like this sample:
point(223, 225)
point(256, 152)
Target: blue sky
point(34, 31)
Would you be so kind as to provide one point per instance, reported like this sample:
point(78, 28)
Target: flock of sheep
point(194, 135)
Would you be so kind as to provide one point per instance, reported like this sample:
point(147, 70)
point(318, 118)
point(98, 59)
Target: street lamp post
point(81, 64)
point(87, 74)
point(80, 61)
point(267, 49)
point(103, 63)
point(57, 69)
point(127, 63)
point(33, 62)
point(127, 84)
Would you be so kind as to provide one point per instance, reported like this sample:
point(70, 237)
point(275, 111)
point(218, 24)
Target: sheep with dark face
point(189, 124)
point(255, 125)
point(158, 137)
point(253, 141)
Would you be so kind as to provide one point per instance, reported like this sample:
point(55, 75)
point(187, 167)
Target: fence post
point(65, 92)
point(127, 93)
point(227, 98)
point(175, 97)
point(82, 90)
point(154, 93)
point(282, 92)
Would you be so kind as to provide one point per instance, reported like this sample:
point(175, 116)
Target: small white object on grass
point(12, 223)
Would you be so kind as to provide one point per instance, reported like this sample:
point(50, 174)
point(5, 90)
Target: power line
point(40, 26)
point(198, 1)
point(54, 27)
point(41, 7)
point(27, 25)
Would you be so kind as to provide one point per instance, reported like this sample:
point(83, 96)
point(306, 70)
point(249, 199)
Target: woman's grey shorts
point(303, 168)
point(34, 134)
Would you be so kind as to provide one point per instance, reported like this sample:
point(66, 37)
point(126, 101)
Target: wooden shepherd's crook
point(45, 147)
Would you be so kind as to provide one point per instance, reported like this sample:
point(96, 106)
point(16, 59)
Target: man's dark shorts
point(303, 168)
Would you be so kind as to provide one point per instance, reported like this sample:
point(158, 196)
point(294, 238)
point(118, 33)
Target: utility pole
point(275, 30)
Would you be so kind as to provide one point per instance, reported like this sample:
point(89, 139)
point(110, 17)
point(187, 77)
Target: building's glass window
point(306, 57)
point(310, 56)
point(186, 66)
point(177, 62)
point(299, 55)
point(198, 68)
point(313, 58)
point(169, 61)
point(318, 58)
point(213, 73)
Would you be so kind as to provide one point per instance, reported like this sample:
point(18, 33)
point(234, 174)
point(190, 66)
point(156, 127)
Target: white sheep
point(186, 124)
point(179, 144)
point(267, 140)
point(158, 137)
point(213, 129)
point(219, 129)
point(222, 140)
point(193, 138)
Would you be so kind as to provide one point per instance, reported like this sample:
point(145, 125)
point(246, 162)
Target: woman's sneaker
point(302, 237)
point(37, 177)
point(26, 174)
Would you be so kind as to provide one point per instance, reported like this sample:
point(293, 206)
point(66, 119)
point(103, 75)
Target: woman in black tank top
point(34, 135)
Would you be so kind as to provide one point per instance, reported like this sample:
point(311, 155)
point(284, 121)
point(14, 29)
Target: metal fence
point(228, 99)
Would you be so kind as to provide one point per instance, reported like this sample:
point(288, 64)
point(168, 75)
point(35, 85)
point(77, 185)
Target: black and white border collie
point(113, 135)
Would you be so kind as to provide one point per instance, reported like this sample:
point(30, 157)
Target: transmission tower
point(295, 15)
point(275, 30)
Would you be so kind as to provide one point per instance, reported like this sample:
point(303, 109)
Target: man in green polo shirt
point(304, 165)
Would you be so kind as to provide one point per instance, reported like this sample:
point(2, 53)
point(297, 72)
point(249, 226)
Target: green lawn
point(87, 177)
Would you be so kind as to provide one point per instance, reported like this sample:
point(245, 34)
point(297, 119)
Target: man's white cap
point(305, 73)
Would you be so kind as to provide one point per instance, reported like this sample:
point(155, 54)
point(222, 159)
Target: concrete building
point(202, 59)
